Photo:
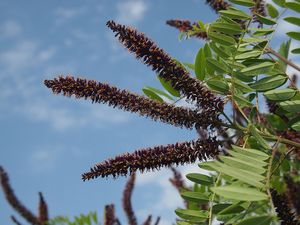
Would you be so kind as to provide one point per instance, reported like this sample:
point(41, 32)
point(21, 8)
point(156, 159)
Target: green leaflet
point(247, 3)
point(293, 20)
point(243, 165)
point(296, 126)
point(241, 86)
point(192, 215)
point(200, 178)
point(293, 6)
point(265, 20)
point(242, 101)
point(220, 50)
point(159, 92)
point(200, 64)
point(253, 153)
point(217, 66)
point(248, 55)
point(240, 193)
point(253, 130)
point(226, 28)
point(221, 38)
point(276, 122)
point(250, 159)
point(218, 84)
point(262, 31)
point(257, 220)
point(231, 209)
point(284, 51)
point(280, 3)
point(195, 197)
point(152, 94)
point(272, 11)
point(294, 35)
point(247, 177)
point(234, 13)
point(268, 83)
point(291, 106)
point(257, 69)
point(167, 85)
point(296, 51)
point(280, 95)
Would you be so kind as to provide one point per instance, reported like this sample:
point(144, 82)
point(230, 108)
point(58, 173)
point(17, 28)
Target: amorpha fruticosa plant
point(251, 155)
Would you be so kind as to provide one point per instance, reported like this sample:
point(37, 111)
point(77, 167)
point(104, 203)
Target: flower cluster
point(166, 67)
point(186, 26)
point(283, 210)
point(218, 5)
point(104, 93)
point(258, 8)
point(155, 158)
point(110, 218)
point(43, 209)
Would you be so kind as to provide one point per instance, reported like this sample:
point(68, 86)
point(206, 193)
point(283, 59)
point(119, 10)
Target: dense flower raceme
point(14, 201)
point(283, 210)
point(110, 218)
point(186, 26)
point(126, 201)
point(155, 158)
point(260, 9)
point(166, 67)
point(218, 5)
point(104, 93)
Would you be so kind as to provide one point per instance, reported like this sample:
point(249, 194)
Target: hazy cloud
point(10, 28)
point(131, 11)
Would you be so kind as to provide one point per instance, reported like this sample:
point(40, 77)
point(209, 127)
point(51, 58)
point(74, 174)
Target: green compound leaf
point(200, 64)
point(235, 13)
point(240, 193)
point(241, 86)
point(268, 83)
point(246, 157)
point(293, 20)
point(167, 85)
point(221, 38)
point(257, 220)
point(291, 106)
point(293, 6)
point(192, 215)
point(276, 122)
point(280, 95)
point(294, 35)
point(195, 197)
point(247, 3)
point(265, 20)
point(272, 11)
point(152, 94)
point(226, 28)
point(200, 178)
point(257, 69)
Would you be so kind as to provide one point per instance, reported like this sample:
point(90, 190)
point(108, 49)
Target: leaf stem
point(283, 59)
point(212, 201)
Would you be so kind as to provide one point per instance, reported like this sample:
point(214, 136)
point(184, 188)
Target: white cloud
point(43, 160)
point(25, 55)
point(66, 14)
point(131, 11)
point(10, 28)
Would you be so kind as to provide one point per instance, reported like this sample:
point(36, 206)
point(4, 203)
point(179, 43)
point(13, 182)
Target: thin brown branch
point(43, 209)
point(14, 201)
point(127, 205)
point(148, 220)
point(14, 219)
point(283, 59)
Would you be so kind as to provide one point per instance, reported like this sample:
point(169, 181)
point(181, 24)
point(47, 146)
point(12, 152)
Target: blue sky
point(47, 141)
